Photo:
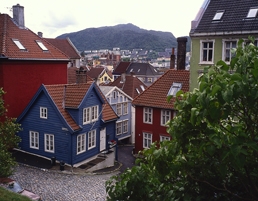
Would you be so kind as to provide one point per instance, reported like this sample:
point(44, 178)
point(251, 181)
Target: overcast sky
point(56, 17)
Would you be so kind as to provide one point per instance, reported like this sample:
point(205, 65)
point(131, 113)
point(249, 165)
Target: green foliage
point(213, 153)
point(7, 195)
point(8, 140)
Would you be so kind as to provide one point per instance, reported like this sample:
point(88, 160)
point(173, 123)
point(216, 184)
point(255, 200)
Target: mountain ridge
point(124, 36)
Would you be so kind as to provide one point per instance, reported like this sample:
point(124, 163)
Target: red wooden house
point(152, 110)
point(26, 62)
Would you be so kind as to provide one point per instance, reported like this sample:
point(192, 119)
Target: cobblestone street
point(58, 186)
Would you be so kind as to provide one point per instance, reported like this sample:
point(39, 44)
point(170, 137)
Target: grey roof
point(106, 89)
point(233, 21)
point(142, 69)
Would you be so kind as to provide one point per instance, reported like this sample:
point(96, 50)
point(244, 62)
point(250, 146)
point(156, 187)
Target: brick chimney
point(81, 76)
point(18, 15)
point(172, 59)
point(181, 52)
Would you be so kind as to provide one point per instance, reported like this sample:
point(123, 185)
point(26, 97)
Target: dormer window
point(174, 88)
point(218, 15)
point(19, 45)
point(41, 45)
point(252, 13)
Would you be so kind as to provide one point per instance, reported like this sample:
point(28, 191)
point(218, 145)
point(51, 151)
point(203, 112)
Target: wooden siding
point(21, 80)
point(155, 128)
point(52, 125)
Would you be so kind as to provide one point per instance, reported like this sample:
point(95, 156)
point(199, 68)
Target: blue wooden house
point(122, 105)
point(71, 122)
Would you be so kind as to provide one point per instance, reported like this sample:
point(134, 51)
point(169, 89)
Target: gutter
point(224, 33)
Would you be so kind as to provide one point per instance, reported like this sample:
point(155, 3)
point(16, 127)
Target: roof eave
point(223, 33)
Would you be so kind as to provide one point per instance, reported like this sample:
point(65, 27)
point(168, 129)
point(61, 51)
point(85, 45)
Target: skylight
point(174, 88)
point(137, 90)
point(252, 13)
point(19, 45)
point(41, 45)
point(218, 15)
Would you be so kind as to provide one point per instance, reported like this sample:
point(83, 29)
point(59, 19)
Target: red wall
point(155, 128)
point(21, 79)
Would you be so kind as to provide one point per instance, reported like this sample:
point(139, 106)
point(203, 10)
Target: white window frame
point(218, 15)
point(90, 114)
point(41, 45)
point(43, 112)
point(81, 143)
point(125, 108)
point(176, 86)
point(165, 116)
point(49, 143)
point(91, 139)
point(147, 115)
point(252, 13)
point(34, 140)
point(202, 49)
point(119, 109)
point(125, 126)
point(119, 127)
point(149, 79)
point(163, 138)
point(147, 140)
point(225, 49)
point(18, 44)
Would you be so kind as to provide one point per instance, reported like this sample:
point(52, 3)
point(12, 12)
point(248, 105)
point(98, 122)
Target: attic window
point(41, 45)
point(218, 15)
point(137, 90)
point(19, 45)
point(142, 87)
point(139, 70)
point(174, 88)
point(252, 13)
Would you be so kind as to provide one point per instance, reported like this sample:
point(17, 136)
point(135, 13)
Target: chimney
point(18, 15)
point(181, 52)
point(172, 59)
point(81, 76)
point(40, 34)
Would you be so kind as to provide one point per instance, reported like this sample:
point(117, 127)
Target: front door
point(102, 145)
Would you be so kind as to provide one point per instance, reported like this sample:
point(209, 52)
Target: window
point(41, 45)
point(147, 117)
point(81, 143)
point(163, 138)
point(119, 109)
point(125, 126)
point(147, 140)
point(252, 13)
point(218, 15)
point(125, 108)
point(119, 128)
point(228, 53)
point(34, 140)
point(137, 90)
point(18, 44)
point(165, 117)
point(49, 143)
point(207, 52)
point(91, 139)
point(114, 94)
point(43, 112)
point(90, 114)
point(174, 88)
point(142, 87)
point(149, 79)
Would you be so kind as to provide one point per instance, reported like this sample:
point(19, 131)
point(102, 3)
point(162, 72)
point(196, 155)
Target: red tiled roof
point(71, 75)
point(129, 85)
point(156, 94)
point(94, 73)
point(65, 45)
point(71, 96)
point(121, 68)
point(9, 31)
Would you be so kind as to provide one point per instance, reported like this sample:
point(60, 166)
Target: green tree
point(213, 153)
point(8, 139)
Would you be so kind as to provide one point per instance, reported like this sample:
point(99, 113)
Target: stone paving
point(61, 186)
